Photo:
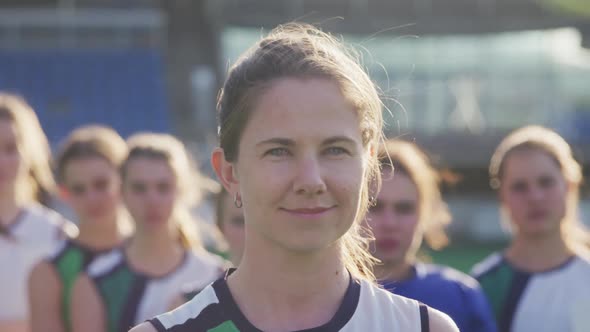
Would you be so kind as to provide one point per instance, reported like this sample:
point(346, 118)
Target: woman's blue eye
point(336, 150)
point(546, 182)
point(277, 152)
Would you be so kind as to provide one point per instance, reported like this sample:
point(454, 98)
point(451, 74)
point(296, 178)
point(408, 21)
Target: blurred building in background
point(456, 75)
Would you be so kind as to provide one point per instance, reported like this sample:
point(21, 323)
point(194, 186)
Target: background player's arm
point(88, 313)
point(440, 322)
point(45, 291)
point(482, 316)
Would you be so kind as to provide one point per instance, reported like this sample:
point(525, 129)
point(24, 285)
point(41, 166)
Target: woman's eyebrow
point(277, 141)
point(338, 139)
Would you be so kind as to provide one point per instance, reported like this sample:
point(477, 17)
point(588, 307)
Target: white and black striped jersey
point(365, 308)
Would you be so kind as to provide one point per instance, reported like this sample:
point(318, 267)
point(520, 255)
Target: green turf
point(463, 256)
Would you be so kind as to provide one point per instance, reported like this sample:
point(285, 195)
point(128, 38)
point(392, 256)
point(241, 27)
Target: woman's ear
point(224, 170)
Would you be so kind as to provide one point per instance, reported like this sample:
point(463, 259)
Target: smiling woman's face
point(301, 165)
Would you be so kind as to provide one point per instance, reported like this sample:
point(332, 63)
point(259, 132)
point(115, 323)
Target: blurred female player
point(88, 171)
point(28, 230)
point(540, 282)
point(230, 222)
point(408, 209)
point(127, 286)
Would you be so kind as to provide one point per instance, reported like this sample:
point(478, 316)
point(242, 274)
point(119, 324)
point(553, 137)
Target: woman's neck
point(100, 234)
point(9, 208)
point(278, 289)
point(154, 251)
point(538, 253)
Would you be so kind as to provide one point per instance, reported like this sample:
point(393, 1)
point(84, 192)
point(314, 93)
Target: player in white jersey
point(541, 281)
point(299, 125)
point(363, 308)
point(34, 234)
point(28, 231)
point(140, 280)
point(139, 295)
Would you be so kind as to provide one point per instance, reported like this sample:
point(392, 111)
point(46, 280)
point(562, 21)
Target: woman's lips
point(536, 215)
point(308, 211)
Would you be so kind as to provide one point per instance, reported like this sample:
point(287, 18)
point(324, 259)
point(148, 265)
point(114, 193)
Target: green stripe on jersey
point(69, 264)
point(496, 285)
point(115, 289)
point(227, 326)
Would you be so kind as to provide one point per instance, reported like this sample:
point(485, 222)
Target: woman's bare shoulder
point(440, 322)
point(145, 327)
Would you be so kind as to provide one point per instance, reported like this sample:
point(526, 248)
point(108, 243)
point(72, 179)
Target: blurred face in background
point(232, 227)
point(10, 156)
point(394, 220)
point(533, 192)
point(92, 187)
point(150, 192)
